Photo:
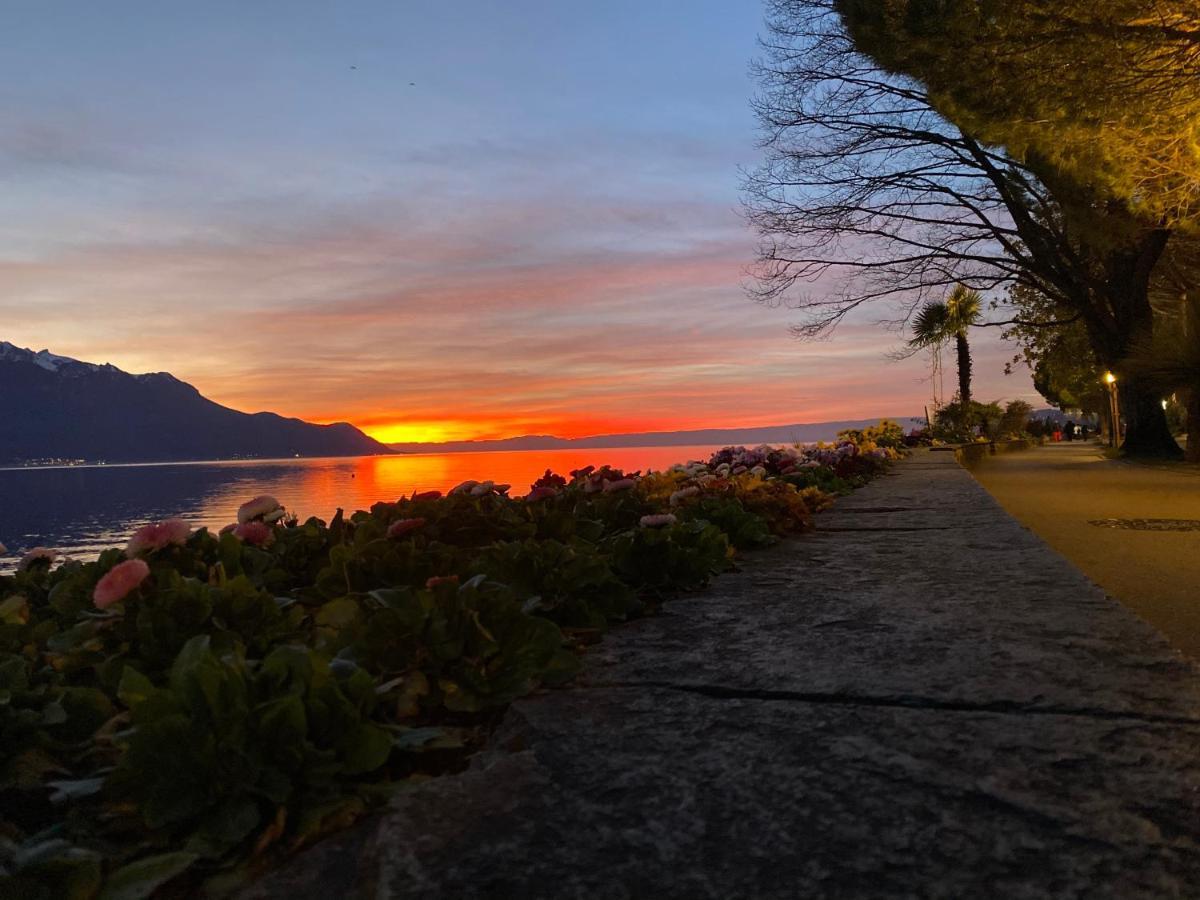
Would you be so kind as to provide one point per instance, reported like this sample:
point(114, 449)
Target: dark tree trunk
point(1146, 431)
point(1127, 284)
point(964, 371)
point(1193, 426)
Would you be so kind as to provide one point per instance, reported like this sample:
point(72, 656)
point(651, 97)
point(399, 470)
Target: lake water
point(82, 510)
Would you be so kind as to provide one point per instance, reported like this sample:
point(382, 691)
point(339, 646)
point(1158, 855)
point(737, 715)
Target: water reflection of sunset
point(82, 510)
point(318, 487)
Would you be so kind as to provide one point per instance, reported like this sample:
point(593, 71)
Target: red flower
point(438, 580)
point(401, 527)
point(623, 484)
point(264, 507)
point(119, 582)
point(260, 534)
point(158, 535)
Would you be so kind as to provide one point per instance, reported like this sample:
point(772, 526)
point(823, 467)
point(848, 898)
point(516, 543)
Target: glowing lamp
point(1110, 378)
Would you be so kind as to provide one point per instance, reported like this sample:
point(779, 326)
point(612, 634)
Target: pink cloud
point(477, 322)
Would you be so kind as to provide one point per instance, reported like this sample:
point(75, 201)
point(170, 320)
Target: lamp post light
point(1114, 409)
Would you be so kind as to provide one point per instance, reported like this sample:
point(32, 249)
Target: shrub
point(191, 703)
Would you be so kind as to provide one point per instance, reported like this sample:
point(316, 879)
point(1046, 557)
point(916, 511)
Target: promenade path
point(1060, 490)
point(920, 700)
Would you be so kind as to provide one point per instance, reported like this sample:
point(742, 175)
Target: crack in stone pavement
point(900, 701)
point(831, 528)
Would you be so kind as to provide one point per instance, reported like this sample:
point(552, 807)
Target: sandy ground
point(1057, 490)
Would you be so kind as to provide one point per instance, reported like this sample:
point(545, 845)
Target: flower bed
point(196, 704)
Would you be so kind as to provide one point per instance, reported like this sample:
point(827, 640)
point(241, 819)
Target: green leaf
point(87, 709)
point(55, 869)
point(68, 640)
point(172, 793)
point(563, 666)
point(338, 613)
point(366, 749)
point(225, 827)
point(134, 688)
point(455, 698)
point(339, 813)
point(14, 672)
point(283, 724)
point(206, 684)
point(140, 879)
point(412, 688)
point(231, 554)
point(13, 611)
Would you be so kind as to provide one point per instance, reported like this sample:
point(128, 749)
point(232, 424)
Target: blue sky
point(432, 220)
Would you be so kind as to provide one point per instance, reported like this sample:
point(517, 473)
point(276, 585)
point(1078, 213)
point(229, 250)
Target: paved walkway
point(1060, 489)
point(921, 700)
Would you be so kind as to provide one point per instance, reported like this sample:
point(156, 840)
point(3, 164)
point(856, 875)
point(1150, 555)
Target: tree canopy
point(1064, 367)
point(1107, 92)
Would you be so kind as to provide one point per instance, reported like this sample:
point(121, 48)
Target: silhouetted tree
point(942, 321)
point(1169, 358)
point(870, 190)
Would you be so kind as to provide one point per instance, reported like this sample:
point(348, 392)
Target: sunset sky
point(434, 220)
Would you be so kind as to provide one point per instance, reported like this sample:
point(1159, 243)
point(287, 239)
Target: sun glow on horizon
point(416, 432)
point(433, 431)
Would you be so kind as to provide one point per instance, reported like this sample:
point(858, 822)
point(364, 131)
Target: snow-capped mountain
point(51, 362)
point(53, 406)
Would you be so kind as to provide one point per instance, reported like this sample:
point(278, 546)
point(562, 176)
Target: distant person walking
point(1069, 430)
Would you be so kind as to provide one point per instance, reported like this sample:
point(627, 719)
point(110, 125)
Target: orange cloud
point(427, 335)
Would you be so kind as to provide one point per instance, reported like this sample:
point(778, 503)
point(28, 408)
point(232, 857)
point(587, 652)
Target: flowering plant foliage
point(293, 673)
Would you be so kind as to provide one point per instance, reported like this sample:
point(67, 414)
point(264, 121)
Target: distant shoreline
point(778, 435)
point(795, 433)
point(10, 467)
point(301, 459)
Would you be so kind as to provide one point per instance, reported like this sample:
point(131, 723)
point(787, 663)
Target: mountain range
point(57, 408)
point(773, 434)
point(54, 407)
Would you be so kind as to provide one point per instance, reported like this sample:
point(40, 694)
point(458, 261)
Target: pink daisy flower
point(120, 581)
point(260, 534)
point(659, 521)
point(264, 507)
point(157, 535)
point(401, 527)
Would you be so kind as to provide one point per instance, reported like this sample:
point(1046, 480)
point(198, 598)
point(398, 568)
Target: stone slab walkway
point(920, 700)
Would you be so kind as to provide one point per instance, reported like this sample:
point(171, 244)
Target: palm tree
point(942, 321)
point(1170, 359)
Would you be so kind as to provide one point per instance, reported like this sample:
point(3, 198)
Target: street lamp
point(1114, 408)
